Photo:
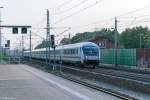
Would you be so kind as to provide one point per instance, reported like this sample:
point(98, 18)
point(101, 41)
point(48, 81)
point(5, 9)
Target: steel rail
point(98, 88)
point(118, 74)
point(101, 89)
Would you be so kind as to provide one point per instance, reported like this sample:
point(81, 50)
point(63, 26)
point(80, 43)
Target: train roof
point(42, 49)
point(76, 45)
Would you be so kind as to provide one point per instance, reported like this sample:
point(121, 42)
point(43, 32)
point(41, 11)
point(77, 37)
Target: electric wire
point(69, 9)
point(64, 3)
point(112, 18)
point(133, 11)
point(77, 12)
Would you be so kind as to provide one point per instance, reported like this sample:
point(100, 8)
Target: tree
point(86, 36)
point(132, 37)
point(44, 44)
point(65, 41)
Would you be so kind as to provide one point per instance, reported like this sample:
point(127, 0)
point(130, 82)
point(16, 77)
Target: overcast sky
point(82, 13)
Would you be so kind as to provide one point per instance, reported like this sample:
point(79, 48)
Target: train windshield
point(90, 51)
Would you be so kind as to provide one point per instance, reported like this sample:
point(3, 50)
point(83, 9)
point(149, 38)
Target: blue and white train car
point(85, 53)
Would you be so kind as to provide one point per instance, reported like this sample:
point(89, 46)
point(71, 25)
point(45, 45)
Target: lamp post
point(140, 40)
point(0, 31)
point(0, 36)
point(116, 43)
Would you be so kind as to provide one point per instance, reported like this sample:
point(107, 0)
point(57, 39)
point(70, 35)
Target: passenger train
point(84, 53)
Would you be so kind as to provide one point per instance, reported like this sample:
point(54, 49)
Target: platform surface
point(22, 82)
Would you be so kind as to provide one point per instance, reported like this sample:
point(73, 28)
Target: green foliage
point(65, 41)
point(130, 38)
point(44, 44)
point(86, 36)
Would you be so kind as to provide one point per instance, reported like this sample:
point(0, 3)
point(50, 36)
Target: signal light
point(15, 30)
point(24, 30)
point(52, 41)
point(6, 46)
point(8, 43)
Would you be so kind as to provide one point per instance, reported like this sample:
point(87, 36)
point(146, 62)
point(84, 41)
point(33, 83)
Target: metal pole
point(69, 38)
point(61, 53)
point(0, 35)
point(44, 41)
point(0, 38)
point(22, 47)
point(49, 38)
point(0, 32)
point(54, 56)
point(140, 40)
point(116, 46)
point(30, 46)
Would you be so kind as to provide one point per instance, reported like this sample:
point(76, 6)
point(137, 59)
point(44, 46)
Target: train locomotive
point(84, 53)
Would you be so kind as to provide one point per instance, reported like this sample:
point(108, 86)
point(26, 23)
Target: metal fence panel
point(125, 57)
point(107, 56)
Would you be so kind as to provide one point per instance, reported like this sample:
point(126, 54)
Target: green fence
point(124, 56)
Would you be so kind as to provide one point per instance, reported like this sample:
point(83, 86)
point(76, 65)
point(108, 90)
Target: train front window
point(90, 51)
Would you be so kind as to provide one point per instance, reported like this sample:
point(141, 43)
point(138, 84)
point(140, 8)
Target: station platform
point(23, 82)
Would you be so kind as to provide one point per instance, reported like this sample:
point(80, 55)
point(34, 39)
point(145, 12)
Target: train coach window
point(45, 52)
point(55, 51)
point(73, 51)
point(90, 51)
point(77, 51)
point(68, 51)
point(65, 51)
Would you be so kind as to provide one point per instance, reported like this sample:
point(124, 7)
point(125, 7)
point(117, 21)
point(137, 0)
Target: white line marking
point(83, 97)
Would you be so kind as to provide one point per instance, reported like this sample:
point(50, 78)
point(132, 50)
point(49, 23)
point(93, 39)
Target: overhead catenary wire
point(93, 23)
point(96, 22)
point(112, 18)
point(64, 3)
point(132, 22)
point(124, 14)
point(71, 8)
point(39, 35)
point(133, 11)
point(140, 9)
point(77, 12)
point(140, 20)
point(127, 18)
point(63, 32)
point(137, 22)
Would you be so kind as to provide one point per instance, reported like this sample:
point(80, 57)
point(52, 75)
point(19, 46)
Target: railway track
point(98, 88)
point(144, 78)
point(107, 91)
point(128, 75)
point(129, 80)
point(140, 77)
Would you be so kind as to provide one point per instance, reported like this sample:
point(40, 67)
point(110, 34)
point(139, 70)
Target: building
point(103, 42)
